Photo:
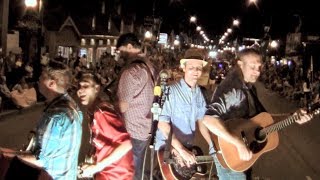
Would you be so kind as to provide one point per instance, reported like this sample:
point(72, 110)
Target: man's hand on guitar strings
point(188, 157)
point(303, 116)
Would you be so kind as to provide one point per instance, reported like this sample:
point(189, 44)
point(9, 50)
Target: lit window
point(92, 42)
point(83, 42)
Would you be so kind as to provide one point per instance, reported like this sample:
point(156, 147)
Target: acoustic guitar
point(12, 167)
point(258, 133)
point(173, 170)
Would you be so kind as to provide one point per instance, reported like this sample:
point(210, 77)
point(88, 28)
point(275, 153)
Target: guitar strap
point(147, 68)
point(254, 105)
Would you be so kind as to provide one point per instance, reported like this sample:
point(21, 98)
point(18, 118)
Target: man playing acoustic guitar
point(235, 98)
point(183, 108)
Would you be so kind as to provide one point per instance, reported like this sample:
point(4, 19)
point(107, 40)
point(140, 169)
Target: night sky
point(281, 15)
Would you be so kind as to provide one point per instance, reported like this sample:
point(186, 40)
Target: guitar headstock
point(316, 112)
point(315, 106)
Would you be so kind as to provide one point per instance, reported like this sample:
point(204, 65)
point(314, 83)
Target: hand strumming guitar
point(244, 152)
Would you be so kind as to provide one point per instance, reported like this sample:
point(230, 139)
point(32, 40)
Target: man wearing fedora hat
point(183, 109)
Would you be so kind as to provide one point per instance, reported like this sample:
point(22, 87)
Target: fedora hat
point(193, 54)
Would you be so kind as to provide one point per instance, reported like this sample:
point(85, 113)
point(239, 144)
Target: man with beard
point(135, 96)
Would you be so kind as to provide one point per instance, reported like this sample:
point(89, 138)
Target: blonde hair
point(58, 72)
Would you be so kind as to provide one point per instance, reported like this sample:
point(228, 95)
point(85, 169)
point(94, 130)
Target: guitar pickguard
point(256, 146)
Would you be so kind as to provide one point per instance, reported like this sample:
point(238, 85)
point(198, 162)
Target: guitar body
point(174, 171)
point(14, 168)
point(247, 130)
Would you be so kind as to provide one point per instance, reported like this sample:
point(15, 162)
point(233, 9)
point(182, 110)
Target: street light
point(193, 19)
point(252, 1)
point(31, 3)
point(147, 38)
point(176, 42)
point(148, 35)
point(274, 44)
point(236, 22)
point(37, 5)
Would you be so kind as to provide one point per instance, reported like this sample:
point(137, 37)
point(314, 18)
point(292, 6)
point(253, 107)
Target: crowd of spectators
point(290, 81)
point(18, 78)
point(17, 83)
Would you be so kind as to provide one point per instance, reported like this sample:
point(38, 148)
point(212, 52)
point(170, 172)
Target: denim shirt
point(58, 138)
point(183, 107)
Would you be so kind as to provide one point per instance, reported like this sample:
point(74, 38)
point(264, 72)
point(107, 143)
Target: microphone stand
point(156, 110)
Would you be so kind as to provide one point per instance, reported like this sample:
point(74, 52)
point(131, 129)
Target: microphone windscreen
point(164, 74)
point(157, 91)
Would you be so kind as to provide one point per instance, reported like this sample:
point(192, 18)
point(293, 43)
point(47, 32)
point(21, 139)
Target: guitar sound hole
point(260, 142)
point(259, 137)
point(184, 172)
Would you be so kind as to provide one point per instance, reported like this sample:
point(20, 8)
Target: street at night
point(107, 70)
point(295, 158)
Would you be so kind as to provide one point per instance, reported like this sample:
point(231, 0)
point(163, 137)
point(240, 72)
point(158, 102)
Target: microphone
point(156, 105)
point(164, 75)
point(156, 110)
point(157, 91)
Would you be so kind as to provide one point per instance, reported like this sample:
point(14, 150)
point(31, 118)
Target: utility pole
point(4, 11)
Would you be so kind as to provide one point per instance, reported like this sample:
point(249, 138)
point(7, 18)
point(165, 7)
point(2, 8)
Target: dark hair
point(248, 51)
point(128, 38)
point(89, 76)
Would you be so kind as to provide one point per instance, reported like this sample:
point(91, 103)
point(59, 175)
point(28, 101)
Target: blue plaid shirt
point(58, 138)
point(183, 107)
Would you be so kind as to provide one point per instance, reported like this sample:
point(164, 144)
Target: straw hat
point(193, 54)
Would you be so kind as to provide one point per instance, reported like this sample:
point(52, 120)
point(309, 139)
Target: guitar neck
point(204, 159)
point(19, 153)
point(284, 123)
